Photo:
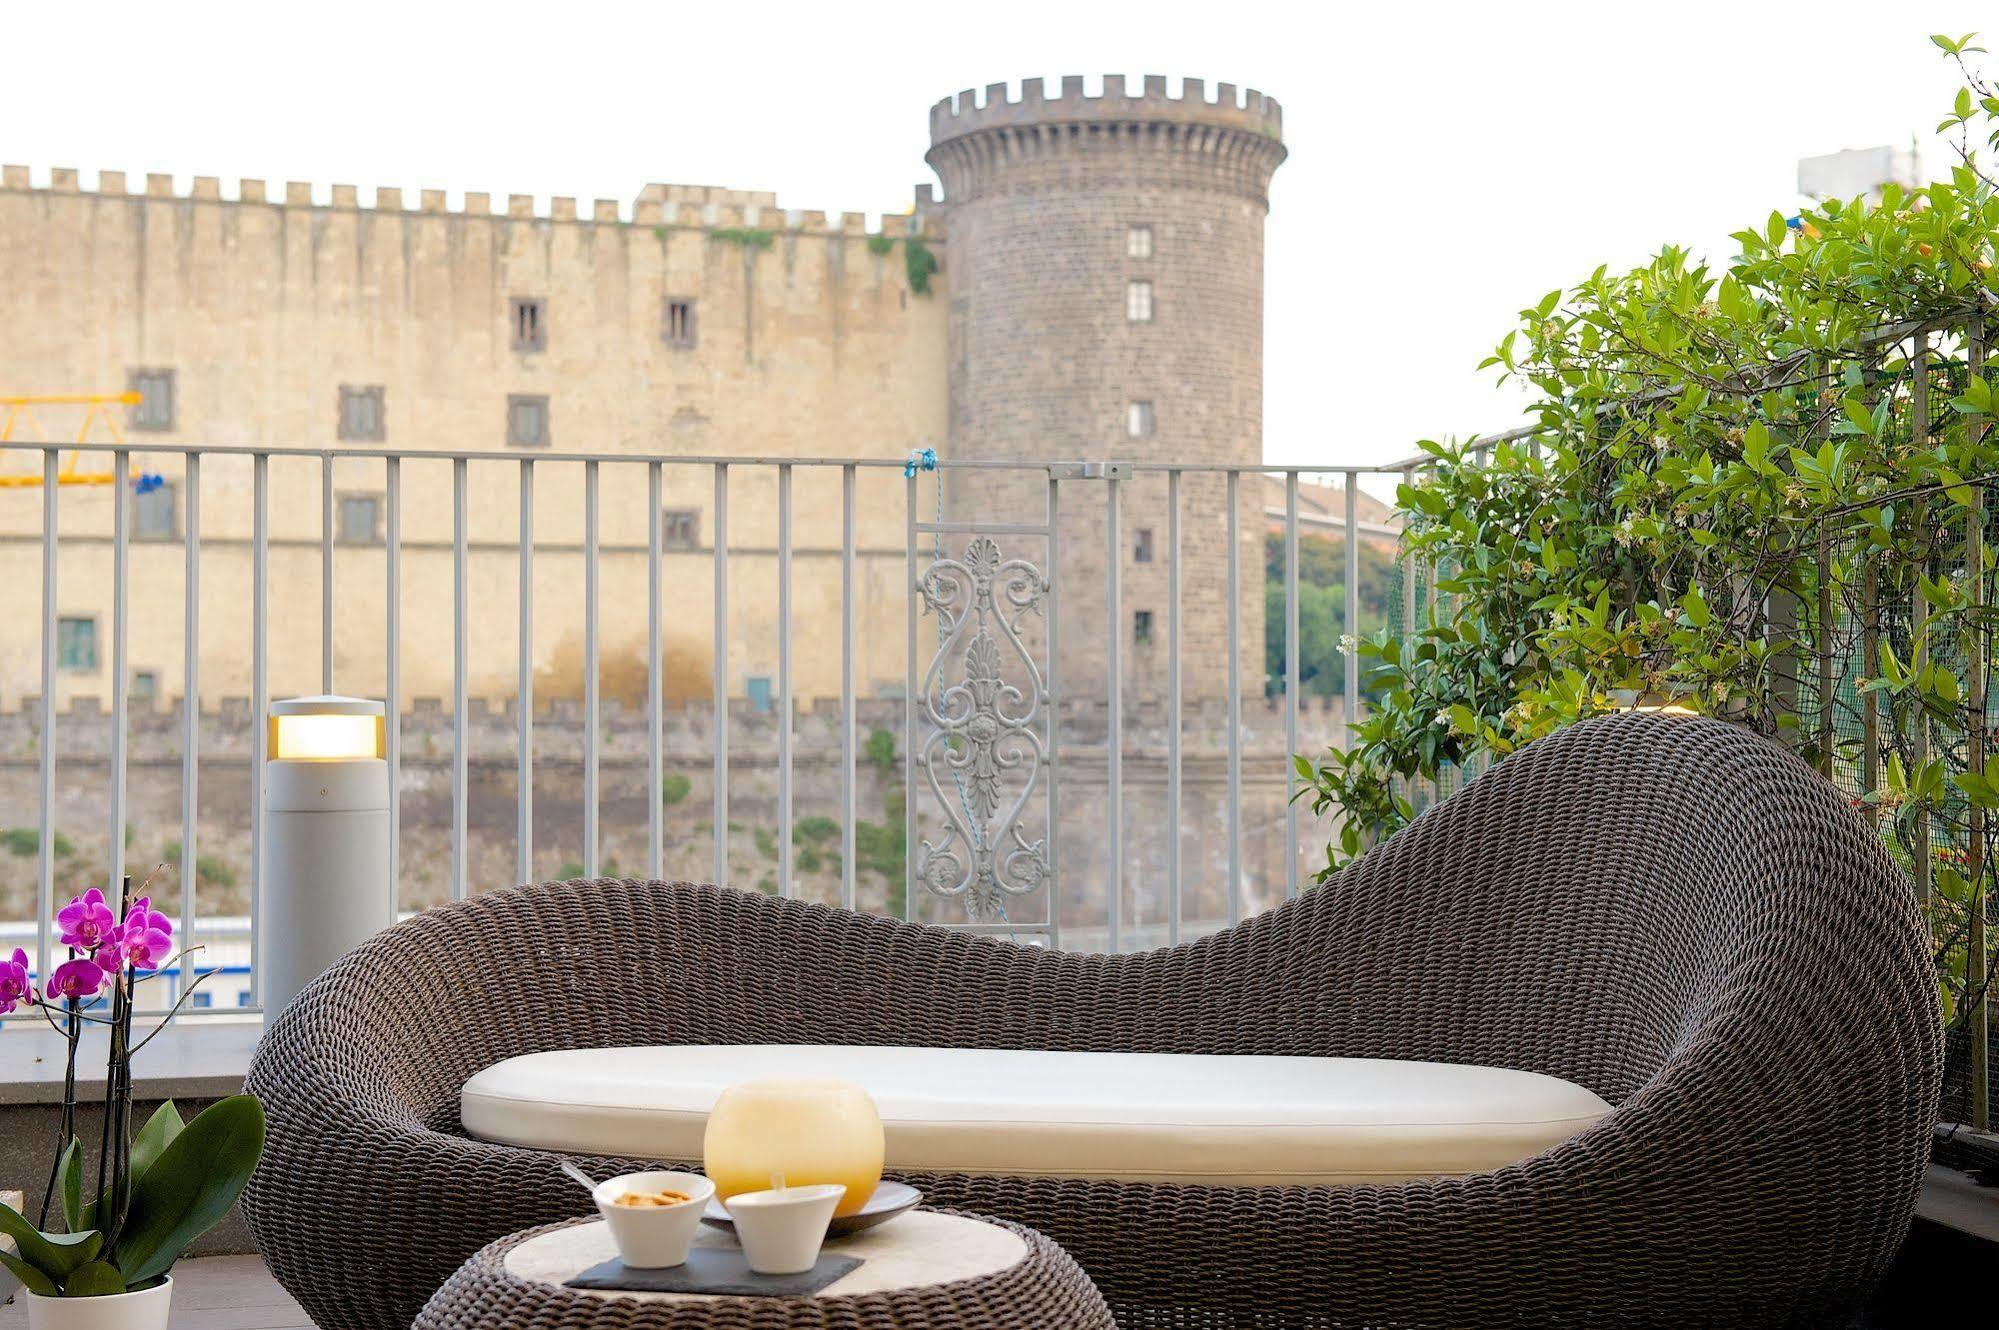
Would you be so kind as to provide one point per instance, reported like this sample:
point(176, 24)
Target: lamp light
point(326, 838)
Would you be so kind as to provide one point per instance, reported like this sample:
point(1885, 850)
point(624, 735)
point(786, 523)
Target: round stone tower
point(1106, 284)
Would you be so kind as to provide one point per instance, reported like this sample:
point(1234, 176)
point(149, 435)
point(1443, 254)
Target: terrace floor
point(1958, 1221)
point(214, 1293)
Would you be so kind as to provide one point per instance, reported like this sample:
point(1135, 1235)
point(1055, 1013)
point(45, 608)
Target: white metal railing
point(1055, 720)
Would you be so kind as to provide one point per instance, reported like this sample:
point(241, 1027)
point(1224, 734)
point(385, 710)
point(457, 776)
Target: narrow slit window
point(1141, 545)
point(528, 316)
point(1138, 242)
point(1141, 627)
point(677, 324)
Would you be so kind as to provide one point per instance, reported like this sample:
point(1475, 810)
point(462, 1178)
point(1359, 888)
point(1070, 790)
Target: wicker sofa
point(1668, 911)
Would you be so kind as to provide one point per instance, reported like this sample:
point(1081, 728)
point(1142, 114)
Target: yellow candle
point(805, 1131)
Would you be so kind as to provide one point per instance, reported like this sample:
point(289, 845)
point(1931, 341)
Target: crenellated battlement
point(688, 207)
point(1247, 110)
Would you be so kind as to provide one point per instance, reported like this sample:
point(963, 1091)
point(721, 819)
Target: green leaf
point(71, 1181)
point(32, 1279)
point(55, 1254)
point(93, 1279)
point(1694, 606)
point(155, 1136)
point(196, 1178)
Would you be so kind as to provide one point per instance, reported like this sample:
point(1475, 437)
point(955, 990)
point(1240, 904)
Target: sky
point(1449, 164)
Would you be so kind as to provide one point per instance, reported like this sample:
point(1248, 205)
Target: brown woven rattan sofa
point(1668, 911)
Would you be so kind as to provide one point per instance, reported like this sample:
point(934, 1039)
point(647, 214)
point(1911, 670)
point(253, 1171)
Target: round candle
point(802, 1132)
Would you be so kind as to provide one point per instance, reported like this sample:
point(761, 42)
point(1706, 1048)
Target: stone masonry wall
point(227, 737)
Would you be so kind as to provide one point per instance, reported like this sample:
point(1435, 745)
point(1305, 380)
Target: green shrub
point(673, 787)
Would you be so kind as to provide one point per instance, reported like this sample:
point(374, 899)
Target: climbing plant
point(1761, 491)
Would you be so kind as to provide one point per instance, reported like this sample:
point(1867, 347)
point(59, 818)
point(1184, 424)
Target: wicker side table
point(928, 1270)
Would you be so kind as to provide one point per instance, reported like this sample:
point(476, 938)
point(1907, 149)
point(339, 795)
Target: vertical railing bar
point(655, 715)
point(45, 863)
point(1870, 666)
point(591, 828)
point(392, 668)
point(1826, 652)
point(459, 612)
point(190, 737)
point(1919, 410)
point(909, 756)
point(1051, 703)
point(1114, 720)
point(260, 701)
point(784, 680)
point(1290, 682)
point(1235, 695)
point(1173, 819)
point(1350, 646)
point(1408, 572)
point(848, 779)
point(1977, 728)
point(326, 573)
point(524, 686)
point(121, 614)
point(720, 724)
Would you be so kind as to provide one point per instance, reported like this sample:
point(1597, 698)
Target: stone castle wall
point(808, 342)
point(83, 734)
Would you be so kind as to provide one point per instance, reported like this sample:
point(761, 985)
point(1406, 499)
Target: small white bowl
point(653, 1236)
point(781, 1231)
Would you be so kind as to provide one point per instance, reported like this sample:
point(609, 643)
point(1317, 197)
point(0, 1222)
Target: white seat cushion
point(1135, 1116)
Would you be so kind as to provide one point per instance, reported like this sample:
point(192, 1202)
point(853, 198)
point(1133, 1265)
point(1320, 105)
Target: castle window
point(1138, 242)
point(145, 685)
point(527, 317)
point(363, 417)
point(680, 528)
point(1141, 627)
point(677, 324)
point(1138, 302)
point(527, 420)
point(153, 515)
point(360, 519)
point(1138, 421)
point(1141, 545)
point(76, 645)
point(155, 408)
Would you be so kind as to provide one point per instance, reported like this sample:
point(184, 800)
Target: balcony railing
point(1048, 677)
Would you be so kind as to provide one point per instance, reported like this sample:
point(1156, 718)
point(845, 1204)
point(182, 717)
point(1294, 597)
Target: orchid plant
point(154, 1191)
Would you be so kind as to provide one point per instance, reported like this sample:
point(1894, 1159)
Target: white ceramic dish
point(782, 1231)
point(652, 1236)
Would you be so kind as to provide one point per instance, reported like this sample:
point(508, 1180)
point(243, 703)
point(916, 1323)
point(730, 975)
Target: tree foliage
point(1726, 473)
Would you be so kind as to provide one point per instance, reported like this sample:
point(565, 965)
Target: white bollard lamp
point(326, 839)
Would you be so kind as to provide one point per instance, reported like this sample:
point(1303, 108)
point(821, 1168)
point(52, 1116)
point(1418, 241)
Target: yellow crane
point(19, 409)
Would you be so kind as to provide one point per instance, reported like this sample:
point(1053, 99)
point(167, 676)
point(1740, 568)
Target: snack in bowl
point(644, 1199)
point(653, 1216)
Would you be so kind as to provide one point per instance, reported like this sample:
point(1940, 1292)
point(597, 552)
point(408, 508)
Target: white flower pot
point(144, 1310)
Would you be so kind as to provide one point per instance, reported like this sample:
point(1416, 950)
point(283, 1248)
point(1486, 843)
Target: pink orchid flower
point(16, 990)
point(87, 922)
point(79, 979)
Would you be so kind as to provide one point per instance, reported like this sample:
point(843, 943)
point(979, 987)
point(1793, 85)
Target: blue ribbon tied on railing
point(920, 459)
point(147, 481)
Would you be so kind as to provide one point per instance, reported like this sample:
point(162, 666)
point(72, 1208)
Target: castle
point(1088, 287)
